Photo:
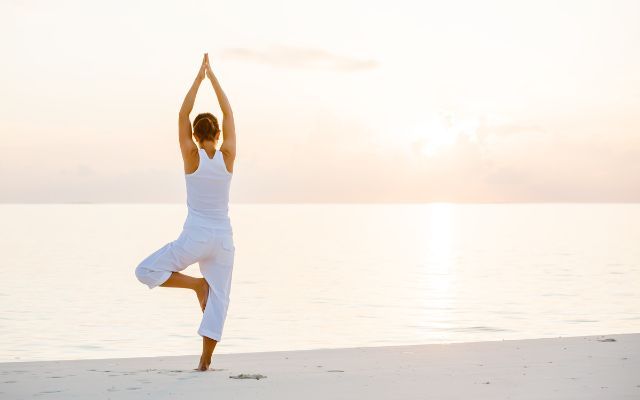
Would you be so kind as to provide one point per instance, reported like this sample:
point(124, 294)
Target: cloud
point(300, 57)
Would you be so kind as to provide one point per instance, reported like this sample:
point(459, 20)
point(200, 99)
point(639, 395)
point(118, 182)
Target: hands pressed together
point(205, 69)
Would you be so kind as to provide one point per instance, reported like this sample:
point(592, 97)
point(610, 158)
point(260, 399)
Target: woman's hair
point(205, 127)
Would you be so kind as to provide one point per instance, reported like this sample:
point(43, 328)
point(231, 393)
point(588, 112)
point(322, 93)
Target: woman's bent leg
point(158, 267)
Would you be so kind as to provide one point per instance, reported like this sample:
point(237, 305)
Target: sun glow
point(437, 133)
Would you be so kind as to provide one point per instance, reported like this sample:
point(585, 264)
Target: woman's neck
point(208, 146)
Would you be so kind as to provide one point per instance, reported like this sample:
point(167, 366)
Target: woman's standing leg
point(218, 271)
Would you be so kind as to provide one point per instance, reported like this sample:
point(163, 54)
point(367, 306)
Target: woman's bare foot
point(208, 345)
point(202, 291)
point(204, 363)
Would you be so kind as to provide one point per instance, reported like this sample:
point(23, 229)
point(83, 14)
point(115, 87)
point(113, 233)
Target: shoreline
point(595, 366)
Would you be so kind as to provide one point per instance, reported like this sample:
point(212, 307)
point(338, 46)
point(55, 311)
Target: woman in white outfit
point(207, 237)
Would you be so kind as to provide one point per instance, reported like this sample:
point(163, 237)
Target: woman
point(207, 237)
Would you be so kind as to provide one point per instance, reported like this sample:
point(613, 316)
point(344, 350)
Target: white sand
point(558, 368)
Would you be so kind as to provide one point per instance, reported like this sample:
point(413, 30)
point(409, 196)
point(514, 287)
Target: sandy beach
point(586, 367)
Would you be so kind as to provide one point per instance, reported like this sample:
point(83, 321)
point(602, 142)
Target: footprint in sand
point(248, 376)
point(48, 392)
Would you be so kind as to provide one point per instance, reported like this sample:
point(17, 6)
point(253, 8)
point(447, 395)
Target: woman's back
point(208, 193)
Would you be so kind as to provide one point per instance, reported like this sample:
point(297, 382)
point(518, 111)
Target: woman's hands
point(205, 69)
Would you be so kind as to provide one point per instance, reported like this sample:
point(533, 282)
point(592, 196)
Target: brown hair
point(205, 127)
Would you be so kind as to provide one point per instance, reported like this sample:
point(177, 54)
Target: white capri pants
point(214, 251)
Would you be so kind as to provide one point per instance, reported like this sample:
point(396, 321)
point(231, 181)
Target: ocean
point(310, 276)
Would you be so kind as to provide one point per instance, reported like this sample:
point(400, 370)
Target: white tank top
point(208, 193)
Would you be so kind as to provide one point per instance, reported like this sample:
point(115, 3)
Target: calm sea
point(319, 276)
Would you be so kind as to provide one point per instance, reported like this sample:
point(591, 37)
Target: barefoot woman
point(207, 237)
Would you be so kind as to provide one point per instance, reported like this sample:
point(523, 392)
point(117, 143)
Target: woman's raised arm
point(228, 147)
point(187, 145)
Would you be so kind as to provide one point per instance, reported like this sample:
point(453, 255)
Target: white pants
point(214, 251)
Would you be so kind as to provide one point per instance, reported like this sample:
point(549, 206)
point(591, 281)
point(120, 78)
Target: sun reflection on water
point(438, 265)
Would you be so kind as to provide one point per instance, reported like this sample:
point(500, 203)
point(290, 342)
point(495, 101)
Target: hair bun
point(207, 130)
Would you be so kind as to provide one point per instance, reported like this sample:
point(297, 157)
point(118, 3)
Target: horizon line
point(328, 202)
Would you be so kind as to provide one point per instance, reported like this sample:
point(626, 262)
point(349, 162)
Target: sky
point(334, 101)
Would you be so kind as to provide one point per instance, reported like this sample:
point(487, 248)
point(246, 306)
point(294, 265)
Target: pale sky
point(334, 101)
